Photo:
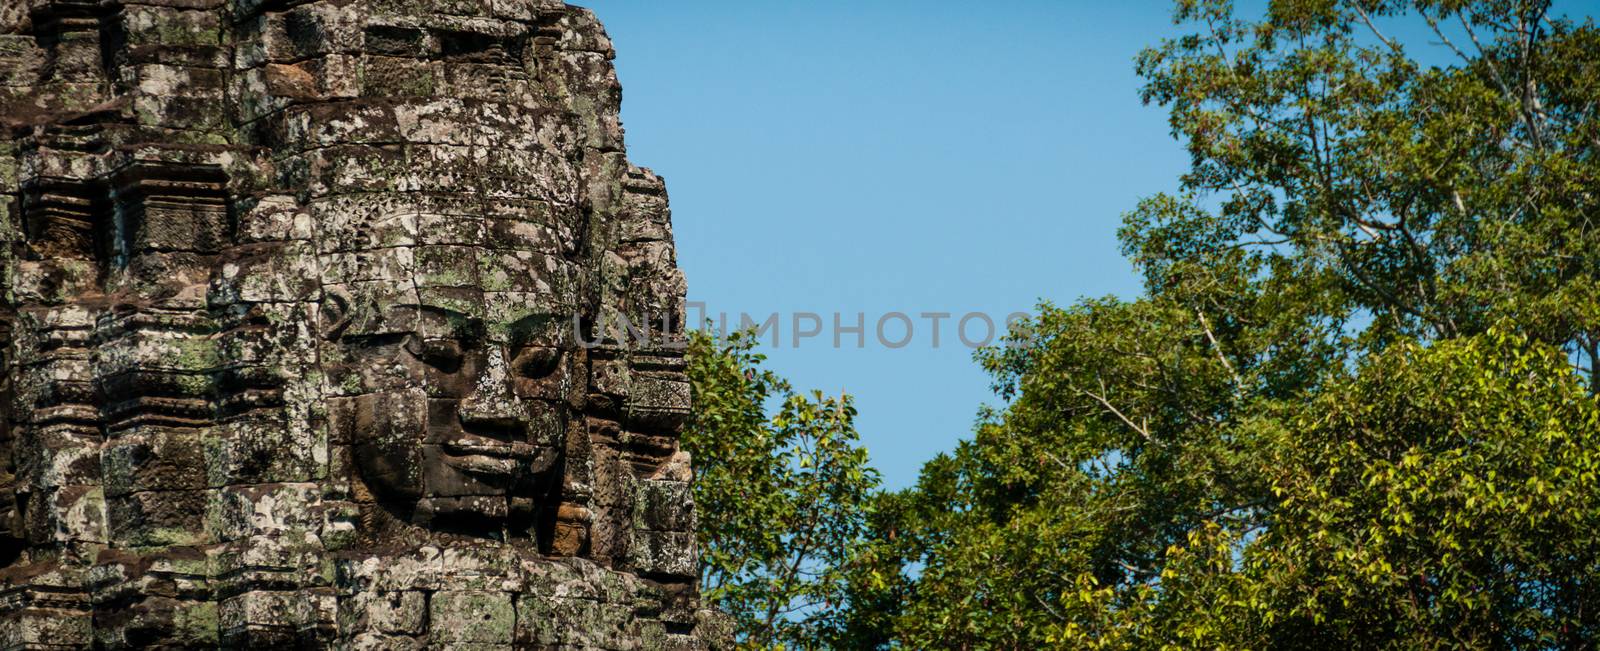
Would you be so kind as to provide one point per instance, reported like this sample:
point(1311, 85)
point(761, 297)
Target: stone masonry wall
point(302, 331)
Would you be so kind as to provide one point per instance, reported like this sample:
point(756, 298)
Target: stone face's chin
point(493, 470)
point(477, 515)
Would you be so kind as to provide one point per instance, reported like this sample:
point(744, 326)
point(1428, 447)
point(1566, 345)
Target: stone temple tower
point(299, 330)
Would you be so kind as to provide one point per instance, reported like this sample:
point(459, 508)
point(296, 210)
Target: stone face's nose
point(491, 403)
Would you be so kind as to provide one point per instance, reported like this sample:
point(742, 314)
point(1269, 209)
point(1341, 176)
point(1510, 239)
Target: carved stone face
point(461, 423)
point(292, 284)
point(455, 400)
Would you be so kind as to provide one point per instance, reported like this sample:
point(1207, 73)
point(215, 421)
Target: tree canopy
point(1355, 404)
point(783, 497)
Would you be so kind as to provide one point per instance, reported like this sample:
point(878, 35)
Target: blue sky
point(890, 156)
point(909, 156)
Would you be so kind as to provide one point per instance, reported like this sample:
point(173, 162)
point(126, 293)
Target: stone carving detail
point(287, 331)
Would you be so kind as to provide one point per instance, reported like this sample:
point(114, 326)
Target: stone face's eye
point(443, 354)
point(534, 362)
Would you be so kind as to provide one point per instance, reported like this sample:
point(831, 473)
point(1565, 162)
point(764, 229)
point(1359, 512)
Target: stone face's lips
point(475, 444)
point(485, 456)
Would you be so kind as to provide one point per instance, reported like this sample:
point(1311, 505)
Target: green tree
point(1356, 403)
point(783, 498)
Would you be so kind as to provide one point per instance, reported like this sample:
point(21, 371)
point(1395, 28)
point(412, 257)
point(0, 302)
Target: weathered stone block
point(400, 612)
point(46, 628)
point(481, 617)
point(158, 518)
point(667, 553)
point(158, 621)
point(77, 514)
point(154, 459)
point(274, 218)
point(664, 506)
point(265, 510)
point(263, 619)
point(380, 642)
point(261, 449)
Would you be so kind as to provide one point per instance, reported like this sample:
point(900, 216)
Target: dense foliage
point(1355, 405)
point(783, 499)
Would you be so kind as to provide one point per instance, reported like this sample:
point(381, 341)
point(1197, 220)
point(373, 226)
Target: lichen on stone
point(295, 298)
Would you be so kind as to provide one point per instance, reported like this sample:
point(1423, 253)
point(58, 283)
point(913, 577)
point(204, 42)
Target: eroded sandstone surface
point(298, 298)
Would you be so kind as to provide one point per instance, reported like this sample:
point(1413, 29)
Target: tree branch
point(1123, 417)
point(1238, 382)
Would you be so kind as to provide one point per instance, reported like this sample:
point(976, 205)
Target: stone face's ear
point(334, 315)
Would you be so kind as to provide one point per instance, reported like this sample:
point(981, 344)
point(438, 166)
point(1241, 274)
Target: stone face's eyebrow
point(543, 329)
point(435, 320)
